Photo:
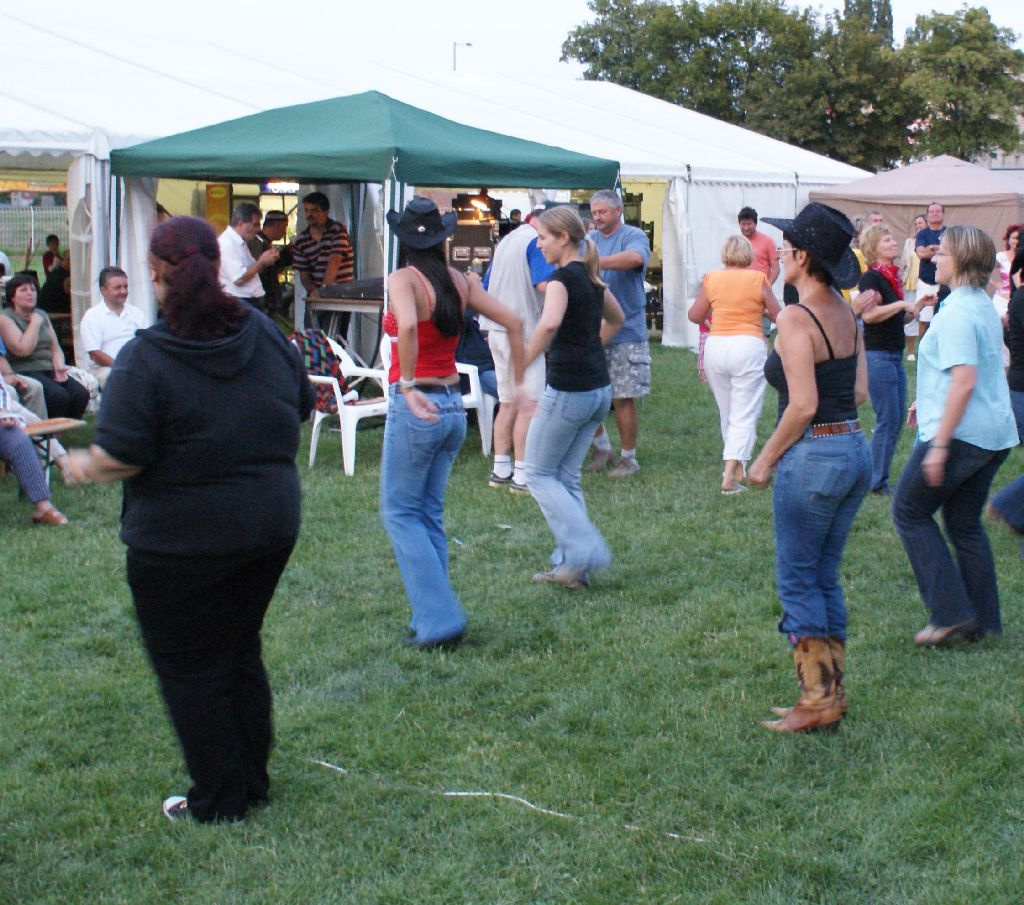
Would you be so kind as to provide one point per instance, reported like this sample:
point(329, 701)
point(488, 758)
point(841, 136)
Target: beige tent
point(969, 193)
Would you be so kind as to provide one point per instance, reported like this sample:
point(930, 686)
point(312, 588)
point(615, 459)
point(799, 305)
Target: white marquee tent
point(89, 97)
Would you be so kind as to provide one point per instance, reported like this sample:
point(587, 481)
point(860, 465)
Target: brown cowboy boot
point(838, 648)
point(816, 706)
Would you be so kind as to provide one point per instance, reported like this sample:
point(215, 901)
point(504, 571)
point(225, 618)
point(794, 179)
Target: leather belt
point(835, 428)
point(439, 388)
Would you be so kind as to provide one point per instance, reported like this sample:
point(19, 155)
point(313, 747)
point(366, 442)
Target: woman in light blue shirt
point(965, 430)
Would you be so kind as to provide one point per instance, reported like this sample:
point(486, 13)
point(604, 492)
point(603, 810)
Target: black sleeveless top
point(836, 379)
point(576, 361)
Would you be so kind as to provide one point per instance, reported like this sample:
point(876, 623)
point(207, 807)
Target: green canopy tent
point(367, 137)
point(361, 138)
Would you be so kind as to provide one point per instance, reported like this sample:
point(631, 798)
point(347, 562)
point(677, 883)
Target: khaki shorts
point(533, 379)
point(629, 367)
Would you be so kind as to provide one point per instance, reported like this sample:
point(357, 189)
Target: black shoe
point(449, 643)
point(495, 481)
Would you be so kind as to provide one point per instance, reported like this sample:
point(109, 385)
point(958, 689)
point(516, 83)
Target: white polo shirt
point(104, 330)
point(236, 259)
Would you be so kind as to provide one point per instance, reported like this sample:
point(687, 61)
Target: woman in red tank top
point(426, 422)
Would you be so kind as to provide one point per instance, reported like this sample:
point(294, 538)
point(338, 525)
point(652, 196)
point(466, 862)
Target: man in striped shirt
point(322, 253)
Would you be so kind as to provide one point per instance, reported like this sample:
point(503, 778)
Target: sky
point(524, 35)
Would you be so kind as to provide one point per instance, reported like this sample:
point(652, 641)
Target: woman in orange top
point(735, 351)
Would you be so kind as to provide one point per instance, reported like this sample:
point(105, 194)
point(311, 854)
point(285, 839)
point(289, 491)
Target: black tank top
point(836, 379)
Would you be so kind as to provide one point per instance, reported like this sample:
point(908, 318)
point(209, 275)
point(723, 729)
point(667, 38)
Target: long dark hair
point(185, 253)
point(432, 264)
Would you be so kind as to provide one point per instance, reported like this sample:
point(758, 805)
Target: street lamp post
point(455, 46)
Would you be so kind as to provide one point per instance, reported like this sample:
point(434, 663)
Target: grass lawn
point(633, 708)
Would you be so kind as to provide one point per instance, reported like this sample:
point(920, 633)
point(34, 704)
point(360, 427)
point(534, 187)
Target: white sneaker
point(625, 468)
point(175, 807)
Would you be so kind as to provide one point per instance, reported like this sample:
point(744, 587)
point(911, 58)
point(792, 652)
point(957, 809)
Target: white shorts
point(533, 379)
point(912, 328)
point(928, 312)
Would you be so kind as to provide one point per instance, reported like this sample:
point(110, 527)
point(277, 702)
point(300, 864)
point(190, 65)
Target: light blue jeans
point(819, 485)
point(556, 445)
point(414, 469)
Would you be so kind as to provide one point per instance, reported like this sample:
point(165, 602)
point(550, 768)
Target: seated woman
point(32, 349)
point(17, 451)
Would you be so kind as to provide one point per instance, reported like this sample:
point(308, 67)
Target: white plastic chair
point(349, 414)
point(483, 402)
point(476, 398)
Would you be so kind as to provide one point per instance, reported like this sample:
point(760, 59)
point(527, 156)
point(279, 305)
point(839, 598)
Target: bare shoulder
point(791, 318)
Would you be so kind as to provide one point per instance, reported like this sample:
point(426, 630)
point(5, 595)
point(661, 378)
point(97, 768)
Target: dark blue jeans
point(1017, 404)
point(819, 485)
point(953, 591)
point(887, 384)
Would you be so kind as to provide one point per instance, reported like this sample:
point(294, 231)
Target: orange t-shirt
point(737, 301)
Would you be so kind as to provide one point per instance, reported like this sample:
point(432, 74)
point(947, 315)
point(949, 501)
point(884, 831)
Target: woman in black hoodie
point(200, 419)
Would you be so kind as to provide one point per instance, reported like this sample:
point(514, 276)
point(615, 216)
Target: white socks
point(503, 466)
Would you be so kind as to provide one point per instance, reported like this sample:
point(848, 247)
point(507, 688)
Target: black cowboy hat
point(421, 224)
point(826, 233)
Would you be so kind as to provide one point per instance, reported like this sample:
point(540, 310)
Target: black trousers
point(200, 619)
point(63, 400)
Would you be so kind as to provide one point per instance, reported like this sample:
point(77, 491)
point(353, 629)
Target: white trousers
point(734, 366)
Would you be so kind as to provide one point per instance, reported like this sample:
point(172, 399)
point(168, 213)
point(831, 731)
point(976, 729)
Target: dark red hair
point(185, 253)
point(1012, 228)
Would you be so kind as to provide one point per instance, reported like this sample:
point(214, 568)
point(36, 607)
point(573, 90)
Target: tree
point(876, 14)
point(866, 114)
point(964, 70)
point(720, 59)
point(757, 64)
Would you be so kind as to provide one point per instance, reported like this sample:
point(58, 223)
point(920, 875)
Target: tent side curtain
point(358, 138)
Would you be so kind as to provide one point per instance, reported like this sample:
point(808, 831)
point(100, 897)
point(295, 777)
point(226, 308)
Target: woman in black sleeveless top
point(580, 316)
point(821, 460)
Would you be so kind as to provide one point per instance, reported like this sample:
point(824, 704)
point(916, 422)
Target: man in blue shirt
point(624, 252)
point(926, 245)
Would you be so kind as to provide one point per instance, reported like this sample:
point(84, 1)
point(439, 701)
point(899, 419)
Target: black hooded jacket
point(214, 425)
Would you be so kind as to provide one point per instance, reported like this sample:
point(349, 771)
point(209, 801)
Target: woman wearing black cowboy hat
point(426, 423)
point(821, 460)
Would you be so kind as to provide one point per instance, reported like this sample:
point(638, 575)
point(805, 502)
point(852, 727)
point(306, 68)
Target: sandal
point(52, 516)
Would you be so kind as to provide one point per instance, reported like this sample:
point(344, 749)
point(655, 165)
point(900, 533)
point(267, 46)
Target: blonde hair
point(565, 219)
point(869, 241)
point(737, 252)
point(973, 253)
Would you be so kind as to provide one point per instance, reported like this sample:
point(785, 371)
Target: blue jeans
point(414, 469)
point(1009, 503)
point(556, 444)
point(1017, 404)
point(820, 483)
point(959, 591)
point(887, 384)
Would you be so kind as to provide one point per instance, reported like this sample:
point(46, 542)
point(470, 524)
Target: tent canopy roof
point(359, 138)
point(947, 179)
point(56, 114)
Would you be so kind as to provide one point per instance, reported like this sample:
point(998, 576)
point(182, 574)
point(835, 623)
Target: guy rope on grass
point(500, 796)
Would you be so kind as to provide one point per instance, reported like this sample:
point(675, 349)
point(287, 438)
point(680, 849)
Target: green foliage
point(831, 84)
point(965, 72)
point(633, 707)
